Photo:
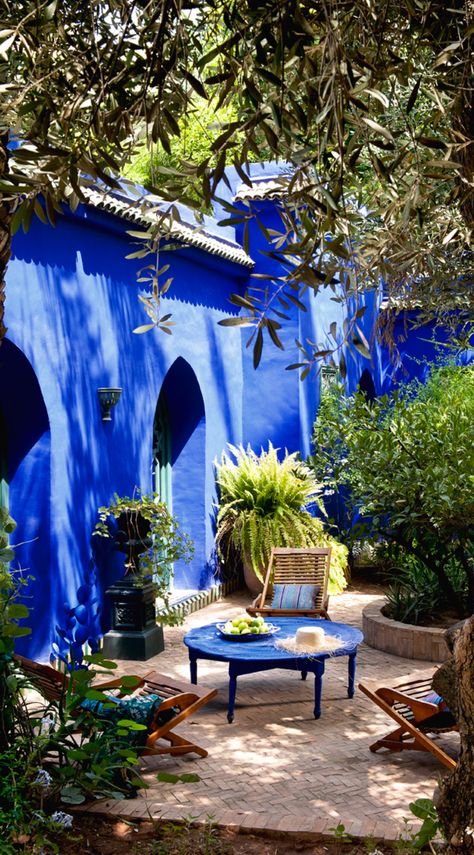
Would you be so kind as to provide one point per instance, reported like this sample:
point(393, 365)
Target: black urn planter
point(134, 633)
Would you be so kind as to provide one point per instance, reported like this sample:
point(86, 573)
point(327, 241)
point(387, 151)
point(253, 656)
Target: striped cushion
point(295, 596)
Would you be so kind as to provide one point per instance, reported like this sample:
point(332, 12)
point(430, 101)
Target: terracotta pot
point(251, 579)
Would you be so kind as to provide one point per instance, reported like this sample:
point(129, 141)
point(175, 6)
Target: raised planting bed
point(402, 639)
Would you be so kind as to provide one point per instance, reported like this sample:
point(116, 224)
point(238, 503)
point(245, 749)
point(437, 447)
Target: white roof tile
point(146, 213)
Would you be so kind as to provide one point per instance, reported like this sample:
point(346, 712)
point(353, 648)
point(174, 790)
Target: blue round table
point(248, 657)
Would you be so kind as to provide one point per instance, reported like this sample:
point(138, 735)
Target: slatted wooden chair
point(295, 567)
point(409, 705)
point(182, 698)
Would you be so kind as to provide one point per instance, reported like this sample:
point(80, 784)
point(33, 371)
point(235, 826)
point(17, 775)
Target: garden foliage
point(407, 464)
point(370, 104)
point(266, 502)
point(53, 753)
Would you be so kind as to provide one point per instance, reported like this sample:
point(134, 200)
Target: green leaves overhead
point(369, 104)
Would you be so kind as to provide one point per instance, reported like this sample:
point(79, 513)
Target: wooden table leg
point(318, 687)
point(232, 693)
point(352, 671)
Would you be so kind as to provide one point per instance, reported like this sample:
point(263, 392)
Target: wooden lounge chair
point(181, 697)
point(295, 567)
point(415, 716)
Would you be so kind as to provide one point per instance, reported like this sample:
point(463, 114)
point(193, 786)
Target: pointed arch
point(366, 385)
point(26, 482)
point(179, 457)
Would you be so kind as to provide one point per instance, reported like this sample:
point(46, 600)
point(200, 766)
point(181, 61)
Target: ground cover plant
point(109, 836)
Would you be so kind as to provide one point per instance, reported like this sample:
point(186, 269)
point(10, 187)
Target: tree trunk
point(5, 234)
point(456, 800)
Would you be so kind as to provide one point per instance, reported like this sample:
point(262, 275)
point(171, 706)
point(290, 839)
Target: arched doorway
point(162, 453)
point(25, 486)
point(366, 385)
point(179, 453)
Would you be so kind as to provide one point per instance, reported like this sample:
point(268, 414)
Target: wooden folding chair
point(290, 566)
point(183, 698)
point(415, 716)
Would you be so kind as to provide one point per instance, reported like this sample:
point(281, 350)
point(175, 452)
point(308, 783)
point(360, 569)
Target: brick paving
point(276, 768)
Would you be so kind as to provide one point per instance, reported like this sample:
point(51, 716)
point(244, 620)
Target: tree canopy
point(370, 104)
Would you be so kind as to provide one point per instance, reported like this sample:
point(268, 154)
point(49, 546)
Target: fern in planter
point(266, 502)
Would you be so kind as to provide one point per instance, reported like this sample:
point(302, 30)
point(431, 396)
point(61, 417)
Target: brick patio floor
point(276, 767)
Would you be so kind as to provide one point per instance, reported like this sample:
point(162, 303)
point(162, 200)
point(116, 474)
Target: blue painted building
point(71, 308)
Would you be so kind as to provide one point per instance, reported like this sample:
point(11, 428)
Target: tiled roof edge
point(195, 237)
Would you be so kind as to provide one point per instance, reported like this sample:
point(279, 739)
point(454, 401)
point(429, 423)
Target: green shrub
point(266, 502)
point(406, 462)
point(45, 761)
point(414, 592)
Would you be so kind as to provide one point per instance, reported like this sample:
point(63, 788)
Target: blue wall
point(72, 306)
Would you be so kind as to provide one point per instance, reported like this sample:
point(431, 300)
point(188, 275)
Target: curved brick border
point(402, 639)
point(313, 828)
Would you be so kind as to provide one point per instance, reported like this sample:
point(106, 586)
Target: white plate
point(247, 636)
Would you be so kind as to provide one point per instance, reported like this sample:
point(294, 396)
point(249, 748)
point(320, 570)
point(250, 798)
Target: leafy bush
point(266, 502)
point(407, 463)
point(414, 592)
point(52, 752)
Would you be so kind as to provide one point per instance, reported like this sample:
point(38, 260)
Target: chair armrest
point(182, 701)
point(420, 709)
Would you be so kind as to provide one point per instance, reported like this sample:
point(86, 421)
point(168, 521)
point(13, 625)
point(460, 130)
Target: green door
point(162, 461)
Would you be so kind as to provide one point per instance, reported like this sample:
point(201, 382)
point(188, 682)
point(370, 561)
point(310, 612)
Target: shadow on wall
point(27, 450)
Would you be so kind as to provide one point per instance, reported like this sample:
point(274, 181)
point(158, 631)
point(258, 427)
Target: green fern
point(266, 502)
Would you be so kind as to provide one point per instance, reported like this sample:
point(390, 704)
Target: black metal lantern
point(108, 398)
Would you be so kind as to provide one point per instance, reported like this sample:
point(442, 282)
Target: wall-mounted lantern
point(108, 398)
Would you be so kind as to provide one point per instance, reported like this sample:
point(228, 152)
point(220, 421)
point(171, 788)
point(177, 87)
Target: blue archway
point(26, 477)
point(366, 385)
point(180, 461)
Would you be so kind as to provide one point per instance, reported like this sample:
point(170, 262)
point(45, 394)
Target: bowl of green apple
point(246, 628)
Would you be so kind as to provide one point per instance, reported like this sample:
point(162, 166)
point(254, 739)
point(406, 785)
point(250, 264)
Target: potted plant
point(143, 528)
point(265, 502)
